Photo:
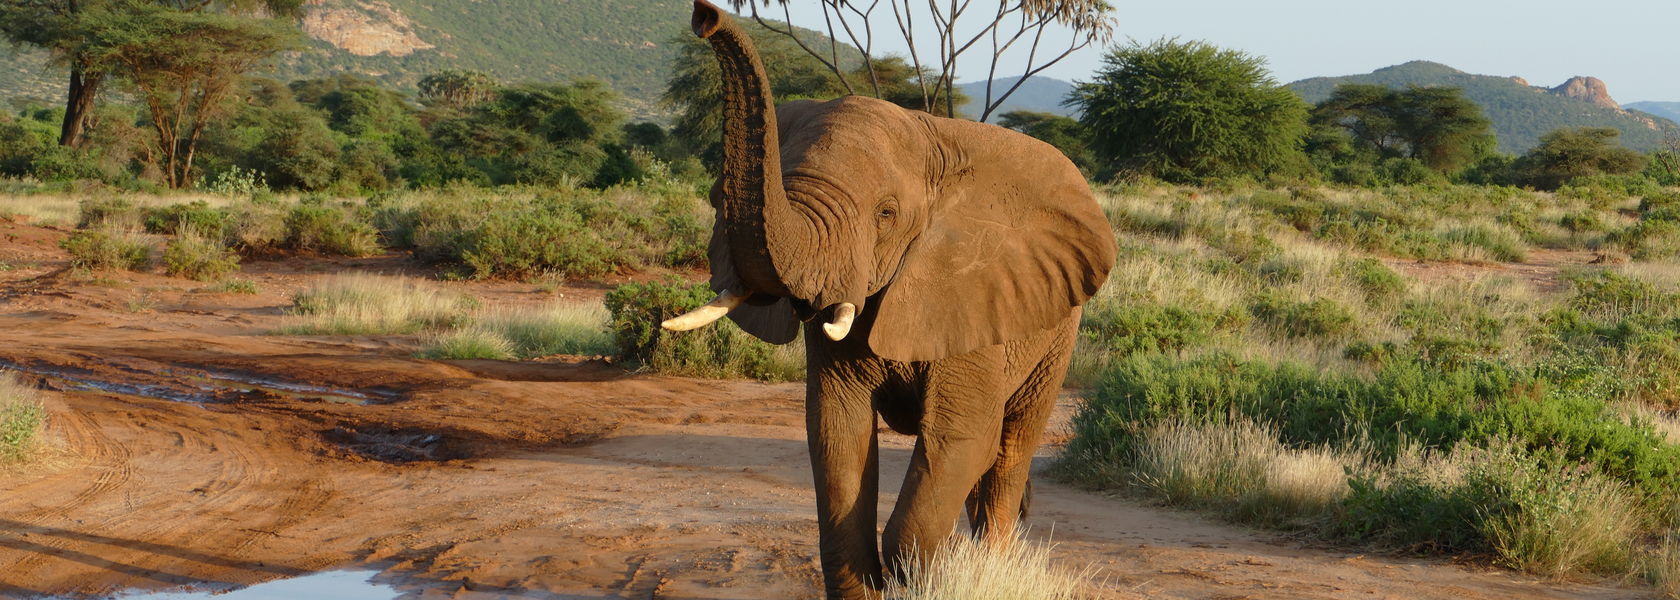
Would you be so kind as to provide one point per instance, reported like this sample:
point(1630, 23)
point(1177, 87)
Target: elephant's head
point(943, 235)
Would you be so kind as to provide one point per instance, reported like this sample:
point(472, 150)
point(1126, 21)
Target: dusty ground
point(197, 451)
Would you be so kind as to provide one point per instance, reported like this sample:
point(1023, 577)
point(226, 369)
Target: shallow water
point(202, 386)
point(326, 585)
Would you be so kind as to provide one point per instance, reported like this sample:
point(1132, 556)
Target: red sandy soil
point(485, 479)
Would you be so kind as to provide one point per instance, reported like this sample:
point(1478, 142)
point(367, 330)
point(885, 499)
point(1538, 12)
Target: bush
point(1319, 318)
point(237, 286)
point(313, 227)
point(108, 211)
point(1125, 328)
point(107, 250)
point(22, 419)
point(198, 256)
point(171, 219)
point(718, 350)
point(1379, 283)
point(529, 243)
point(1407, 400)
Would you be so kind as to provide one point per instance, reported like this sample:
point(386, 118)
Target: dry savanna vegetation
point(1459, 370)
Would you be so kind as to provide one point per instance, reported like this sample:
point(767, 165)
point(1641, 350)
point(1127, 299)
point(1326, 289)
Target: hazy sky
point(1634, 46)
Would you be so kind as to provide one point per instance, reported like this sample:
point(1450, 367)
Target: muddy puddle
point(196, 385)
point(327, 585)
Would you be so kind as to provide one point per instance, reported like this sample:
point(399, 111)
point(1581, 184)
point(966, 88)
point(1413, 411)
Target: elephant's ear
point(775, 322)
point(1014, 242)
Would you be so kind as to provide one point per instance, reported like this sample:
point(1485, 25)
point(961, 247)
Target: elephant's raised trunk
point(753, 197)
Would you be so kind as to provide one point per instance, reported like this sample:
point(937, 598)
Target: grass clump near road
point(970, 569)
point(199, 256)
point(108, 249)
point(22, 419)
point(361, 304)
point(1261, 354)
point(528, 332)
point(718, 350)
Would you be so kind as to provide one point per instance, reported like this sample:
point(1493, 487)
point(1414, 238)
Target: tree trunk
point(78, 104)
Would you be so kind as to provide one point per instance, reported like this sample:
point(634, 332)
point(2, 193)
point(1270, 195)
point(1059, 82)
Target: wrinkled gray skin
point(967, 250)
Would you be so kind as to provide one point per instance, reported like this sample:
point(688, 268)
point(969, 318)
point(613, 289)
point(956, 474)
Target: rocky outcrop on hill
point(363, 28)
point(1587, 89)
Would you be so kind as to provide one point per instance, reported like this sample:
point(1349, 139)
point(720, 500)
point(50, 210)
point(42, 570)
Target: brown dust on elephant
point(939, 266)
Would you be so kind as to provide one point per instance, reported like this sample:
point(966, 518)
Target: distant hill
point(1666, 110)
point(1521, 113)
point(1040, 94)
point(622, 42)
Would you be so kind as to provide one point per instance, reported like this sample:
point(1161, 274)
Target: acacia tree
point(457, 89)
point(1435, 125)
point(1015, 29)
point(182, 64)
point(57, 27)
point(1187, 111)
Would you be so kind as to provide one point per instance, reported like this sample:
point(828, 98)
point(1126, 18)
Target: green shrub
point(256, 228)
point(22, 419)
point(112, 211)
point(313, 227)
point(718, 350)
point(107, 250)
point(173, 218)
point(198, 256)
point(236, 286)
point(1380, 284)
point(1319, 318)
point(1126, 328)
point(528, 243)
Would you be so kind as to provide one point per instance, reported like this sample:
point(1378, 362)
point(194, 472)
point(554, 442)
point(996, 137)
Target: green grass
point(22, 419)
point(236, 286)
point(1253, 356)
point(361, 304)
point(528, 332)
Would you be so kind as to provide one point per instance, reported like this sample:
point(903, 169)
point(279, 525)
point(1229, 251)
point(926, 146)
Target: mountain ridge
point(1520, 112)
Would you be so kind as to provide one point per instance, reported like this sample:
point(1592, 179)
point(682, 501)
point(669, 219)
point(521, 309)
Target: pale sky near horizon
point(1634, 46)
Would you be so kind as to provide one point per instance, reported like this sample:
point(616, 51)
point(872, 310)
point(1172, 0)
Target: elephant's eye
point(885, 213)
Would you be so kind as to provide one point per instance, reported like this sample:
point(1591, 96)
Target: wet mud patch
point(396, 445)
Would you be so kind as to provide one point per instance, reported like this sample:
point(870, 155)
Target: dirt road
point(197, 451)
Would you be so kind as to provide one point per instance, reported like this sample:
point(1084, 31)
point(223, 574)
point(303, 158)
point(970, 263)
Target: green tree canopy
point(1186, 111)
point(457, 89)
point(59, 27)
point(1569, 153)
point(183, 66)
point(1437, 126)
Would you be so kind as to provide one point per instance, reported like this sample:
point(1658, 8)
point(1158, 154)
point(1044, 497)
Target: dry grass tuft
point(1240, 468)
point(964, 568)
point(361, 304)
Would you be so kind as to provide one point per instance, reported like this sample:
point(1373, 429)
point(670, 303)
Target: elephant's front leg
point(840, 427)
point(961, 423)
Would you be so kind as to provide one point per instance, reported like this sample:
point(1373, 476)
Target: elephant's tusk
point(700, 317)
point(842, 323)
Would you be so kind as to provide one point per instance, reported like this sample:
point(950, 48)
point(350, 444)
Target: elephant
point(937, 268)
